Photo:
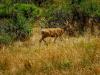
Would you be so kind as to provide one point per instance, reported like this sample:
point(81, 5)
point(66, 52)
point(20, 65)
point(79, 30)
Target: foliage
point(5, 39)
point(79, 11)
point(29, 10)
point(23, 27)
point(90, 7)
point(18, 20)
point(5, 11)
point(7, 2)
point(20, 29)
point(56, 15)
point(53, 13)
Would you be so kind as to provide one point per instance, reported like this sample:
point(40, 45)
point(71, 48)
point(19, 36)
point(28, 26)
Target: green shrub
point(28, 10)
point(7, 2)
point(5, 39)
point(23, 27)
point(18, 26)
point(55, 15)
point(90, 7)
point(20, 29)
point(2, 9)
point(6, 11)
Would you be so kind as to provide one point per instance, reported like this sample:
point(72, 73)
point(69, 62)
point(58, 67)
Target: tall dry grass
point(73, 56)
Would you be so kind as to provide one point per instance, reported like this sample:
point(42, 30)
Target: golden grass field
point(73, 56)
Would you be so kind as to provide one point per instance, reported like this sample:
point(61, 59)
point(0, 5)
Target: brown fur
point(51, 32)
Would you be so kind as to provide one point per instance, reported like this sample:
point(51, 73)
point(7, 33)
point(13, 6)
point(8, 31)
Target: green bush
point(55, 15)
point(6, 11)
point(7, 2)
point(18, 26)
point(5, 39)
point(20, 29)
point(90, 7)
point(2, 10)
point(23, 27)
point(28, 10)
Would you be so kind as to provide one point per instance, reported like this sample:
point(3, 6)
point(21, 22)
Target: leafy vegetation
point(52, 13)
point(16, 19)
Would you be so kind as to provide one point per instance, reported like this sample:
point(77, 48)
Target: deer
point(52, 32)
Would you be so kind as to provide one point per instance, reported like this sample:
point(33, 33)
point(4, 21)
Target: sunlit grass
point(73, 56)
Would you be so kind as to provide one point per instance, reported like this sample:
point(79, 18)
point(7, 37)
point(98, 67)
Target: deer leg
point(55, 39)
point(42, 39)
point(45, 42)
point(61, 38)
